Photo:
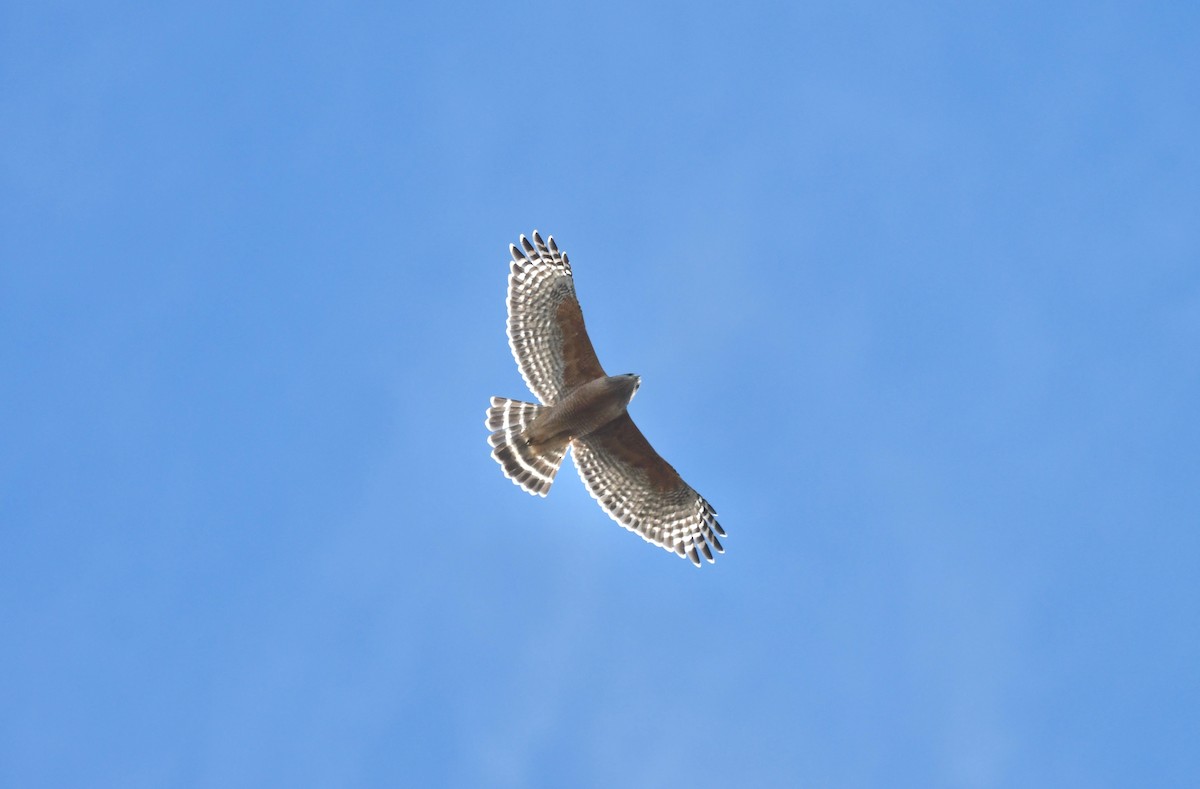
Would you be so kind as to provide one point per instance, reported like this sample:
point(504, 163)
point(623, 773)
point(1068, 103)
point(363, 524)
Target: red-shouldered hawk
point(583, 408)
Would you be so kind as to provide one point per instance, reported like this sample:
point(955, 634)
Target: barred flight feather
point(532, 468)
point(678, 519)
point(545, 325)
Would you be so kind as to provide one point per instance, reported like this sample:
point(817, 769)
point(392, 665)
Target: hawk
point(584, 409)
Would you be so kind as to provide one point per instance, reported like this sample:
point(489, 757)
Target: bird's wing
point(641, 491)
point(545, 324)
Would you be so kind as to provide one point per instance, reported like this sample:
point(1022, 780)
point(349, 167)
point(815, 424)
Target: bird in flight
point(584, 409)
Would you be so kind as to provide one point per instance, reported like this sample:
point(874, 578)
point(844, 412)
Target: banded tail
point(531, 466)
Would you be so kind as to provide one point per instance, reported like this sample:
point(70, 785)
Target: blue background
point(914, 290)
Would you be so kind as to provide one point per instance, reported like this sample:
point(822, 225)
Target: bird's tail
point(529, 465)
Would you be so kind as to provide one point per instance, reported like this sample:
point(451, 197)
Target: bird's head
point(637, 381)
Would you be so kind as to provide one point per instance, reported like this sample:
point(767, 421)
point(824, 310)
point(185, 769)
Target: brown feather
point(622, 439)
point(580, 363)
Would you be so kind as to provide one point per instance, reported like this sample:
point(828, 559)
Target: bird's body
point(585, 409)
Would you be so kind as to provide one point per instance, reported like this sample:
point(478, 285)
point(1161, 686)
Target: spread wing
point(640, 491)
point(545, 325)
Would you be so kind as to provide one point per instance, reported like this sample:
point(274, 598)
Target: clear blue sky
point(914, 290)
